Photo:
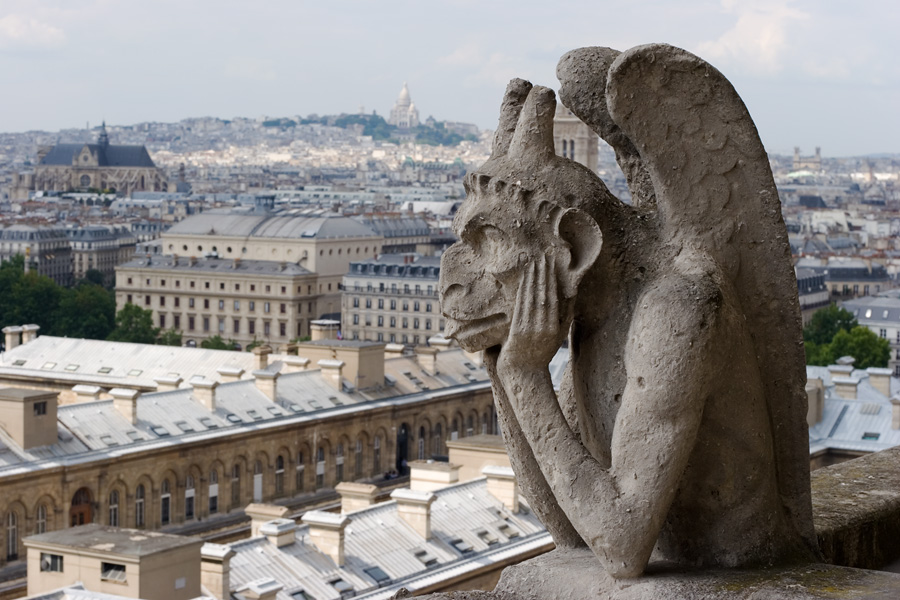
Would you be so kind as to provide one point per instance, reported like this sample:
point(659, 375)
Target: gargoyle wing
point(714, 191)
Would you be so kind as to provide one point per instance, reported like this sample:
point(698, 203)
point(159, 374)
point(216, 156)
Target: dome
point(403, 98)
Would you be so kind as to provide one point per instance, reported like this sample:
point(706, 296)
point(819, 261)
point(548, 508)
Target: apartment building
point(393, 298)
point(46, 250)
point(241, 300)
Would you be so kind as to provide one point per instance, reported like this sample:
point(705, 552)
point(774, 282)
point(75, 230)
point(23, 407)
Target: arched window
point(40, 519)
point(421, 444)
point(300, 474)
point(454, 430)
point(12, 536)
point(376, 455)
point(358, 466)
point(339, 464)
point(213, 492)
point(85, 180)
point(236, 485)
point(320, 467)
point(165, 504)
point(470, 426)
point(114, 508)
point(188, 498)
point(279, 475)
point(139, 494)
point(484, 424)
point(438, 439)
point(565, 147)
point(257, 481)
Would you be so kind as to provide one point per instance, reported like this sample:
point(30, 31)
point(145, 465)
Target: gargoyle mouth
point(460, 329)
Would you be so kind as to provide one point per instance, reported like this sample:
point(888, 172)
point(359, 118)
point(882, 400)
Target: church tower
point(404, 115)
point(573, 139)
point(103, 138)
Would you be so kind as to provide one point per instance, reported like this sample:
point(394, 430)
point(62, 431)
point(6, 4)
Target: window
point(40, 408)
point(190, 303)
point(237, 305)
point(356, 319)
point(421, 444)
point(114, 508)
point(190, 323)
point(416, 306)
point(165, 515)
point(177, 321)
point(393, 305)
point(52, 563)
point(266, 328)
point(380, 303)
point(356, 303)
point(279, 475)
point(206, 303)
point(299, 475)
point(236, 485)
point(129, 299)
point(428, 307)
point(268, 288)
point(380, 321)
point(12, 536)
point(213, 492)
point(283, 308)
point(221, 305)
point(376, 455)
point(320, 468)
point(282, 329)
point(283, 289)
point(162, 321)
point(205, 323)
point(437, 439)
point(415, 323)
point(188, 498)
point(252, 287)
point(405, 305)
point(221, 286)
point(147, 300)
point(251, 327)
point(139, 506)
point(358, 467)
point(345, 589)
point(251, 306)
point(339, 464)
point(112, 572)
point(236, 325)
point(40, 519)
point(267, 307)
point(882, 333)
point(162, 300)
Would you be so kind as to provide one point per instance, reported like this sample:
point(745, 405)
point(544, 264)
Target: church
point(100, 166)
point(404, 115)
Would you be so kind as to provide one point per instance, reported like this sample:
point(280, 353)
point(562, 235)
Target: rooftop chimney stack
point(279, 532)
point(895, 413)
point(845, 387)
point(205, 393)
point(326, 532)
point(13, 335)
point(427, 358)
point(267, 383)
point(215, 570)
point(261, 357)
point(229, 374)
point(29, 333)
point(168, 383)
point(815, 396)
point(880, 379)
point(86, 393)
point(125, 401)
point(295, 364)
point(501, 484)
point(261, 514)
point(262, 589)
point(355, 496)
point(415, 509)
point(393, 350)
point(331, 371)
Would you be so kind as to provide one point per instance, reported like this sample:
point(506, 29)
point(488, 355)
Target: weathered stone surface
point(679, 430)
point(856, 509)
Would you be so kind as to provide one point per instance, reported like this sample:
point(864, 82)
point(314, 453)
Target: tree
point(94, 276)
point(861, 343)
point(217, 343)
point(169, 337)
point(87, 311)
point(134, 324)
point(36, 300)
point(826, 323)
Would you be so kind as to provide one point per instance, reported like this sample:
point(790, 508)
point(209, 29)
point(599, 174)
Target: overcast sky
point(812, 72)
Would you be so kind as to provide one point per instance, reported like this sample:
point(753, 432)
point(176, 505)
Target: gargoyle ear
point(516, 92)
point(533, 138)
point(584, 241)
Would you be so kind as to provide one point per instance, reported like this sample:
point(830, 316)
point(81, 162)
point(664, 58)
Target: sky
point(812, 72)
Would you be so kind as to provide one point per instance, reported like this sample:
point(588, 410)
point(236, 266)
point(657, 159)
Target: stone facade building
point(404, 115)
point(99, 248)
point(393, 299)
point(46, 250)
point(241, 300)
point(101, 166)
point(574, 140)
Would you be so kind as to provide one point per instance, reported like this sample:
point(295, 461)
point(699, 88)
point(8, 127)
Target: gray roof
point(398, 265)
point(378, 537)
point(246, 268)
point(396, 226)
point(331, 226)
point(871, 310)
point(107, 155)
point(114, 540)
point(28, 232)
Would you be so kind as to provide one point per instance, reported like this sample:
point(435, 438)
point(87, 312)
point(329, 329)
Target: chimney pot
point(427, 358)
point(215, 569)
point(86, 393)
point(501, 483)
point(168, 383)
point(125, 401)
point(326, 532)
point(260, 514)
point(845, 387)
point(205, 393)
point(295, 364)
point(331, 371)
point(229, 374)
point(880, 379)
point(280, 532)
point(415, 509)
point(29, 332)
point(13, 334)
point(267, 383)
point(261, 357)
point(355, 496)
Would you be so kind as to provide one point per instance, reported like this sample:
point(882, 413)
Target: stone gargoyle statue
point(679, 430)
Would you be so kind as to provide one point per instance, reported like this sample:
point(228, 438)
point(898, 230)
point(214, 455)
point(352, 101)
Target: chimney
point(192, 261)
point(267, 383)
point(168, 383)
point(86, 393)
point(13, 334)
point(501, 484)
point(287, 349)
point(415, 509)
point(331, 371)
point(280, 532)
point(125, 401)
point(205, 393)
point(880, 380)
point(29, 332)
point(393, 350)
point(261, 514)
point(845, 387)
point(440, 342)
point(229, 374)
point(324, 329)
point(215, 570)
point(29, 416)
point(427, 358)
point(262, 589)
point(294, 364)
point(430, 475)
point(355, 496)
point(815, 396)
point(236, 264)
point(895, 413)
point(326, 532)
point(261, 357)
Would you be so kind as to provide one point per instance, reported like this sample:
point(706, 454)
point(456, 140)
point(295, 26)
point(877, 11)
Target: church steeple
point(103, 138)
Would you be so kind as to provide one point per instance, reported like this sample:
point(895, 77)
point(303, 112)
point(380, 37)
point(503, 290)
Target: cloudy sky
point(812, 72)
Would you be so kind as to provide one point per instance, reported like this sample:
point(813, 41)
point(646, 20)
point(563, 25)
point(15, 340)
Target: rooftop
point(245, 268)
point(113, 540)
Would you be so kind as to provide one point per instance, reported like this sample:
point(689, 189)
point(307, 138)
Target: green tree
point(134, 324)
point(826, 323)
point(37, 299)
point(861, 343)
point(94, 276)
point(217, 343)
point(169, 337)
point(87, 311)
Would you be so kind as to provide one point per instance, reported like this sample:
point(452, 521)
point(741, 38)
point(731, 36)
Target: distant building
point(99, 248)
point(807, 163)
point(849, 277)
point(103, 166)
point(881, 314)
point(404, 114)
point(813, 292)
point(401, 233)
point(574, 140)
point(393, 299)
point(46, 250)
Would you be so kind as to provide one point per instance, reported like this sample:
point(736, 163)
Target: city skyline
point(811, 74)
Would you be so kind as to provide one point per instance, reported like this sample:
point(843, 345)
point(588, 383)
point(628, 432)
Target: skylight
point(104, 370)
point(461, 545)
point(233, 418)
point(378, 574)
point(184, 426)
point(159, 430)
point(425, 557)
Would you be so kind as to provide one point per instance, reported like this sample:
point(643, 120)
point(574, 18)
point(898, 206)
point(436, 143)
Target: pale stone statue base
point(574, 575)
